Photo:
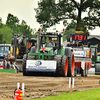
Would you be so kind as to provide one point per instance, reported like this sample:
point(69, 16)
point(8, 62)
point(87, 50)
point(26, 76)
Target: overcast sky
point(24, 10)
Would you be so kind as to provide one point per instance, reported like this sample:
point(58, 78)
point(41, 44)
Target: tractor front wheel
point(58, 67)
point(24, 65)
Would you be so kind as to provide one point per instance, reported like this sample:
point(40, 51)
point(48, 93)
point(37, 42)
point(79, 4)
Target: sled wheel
point(83, 72)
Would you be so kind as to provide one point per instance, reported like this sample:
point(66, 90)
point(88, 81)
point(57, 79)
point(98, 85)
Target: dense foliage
point(50, 13)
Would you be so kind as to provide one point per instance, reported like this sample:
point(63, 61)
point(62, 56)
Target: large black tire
point(71, 65)
point(24, 65)
point(97, 69)
point(58, 67)
point(64, 66)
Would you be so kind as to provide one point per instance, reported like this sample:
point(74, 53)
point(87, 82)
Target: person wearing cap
point(69, 44)
point(77, 44)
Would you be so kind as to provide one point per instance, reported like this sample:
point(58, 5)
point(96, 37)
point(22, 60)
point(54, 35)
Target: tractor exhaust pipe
point(38, 39)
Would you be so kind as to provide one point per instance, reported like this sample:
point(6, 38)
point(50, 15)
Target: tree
point(12, 21)
point(1, 22)
point(25, 29)
point(50, 13)
point(5, 34)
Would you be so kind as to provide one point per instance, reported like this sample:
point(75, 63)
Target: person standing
point(77, 44)
point(69, 44)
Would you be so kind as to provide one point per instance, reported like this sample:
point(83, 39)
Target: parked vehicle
point(4, 50)
point(20, 46)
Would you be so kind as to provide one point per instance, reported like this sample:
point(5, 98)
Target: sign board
point(79, 53)
point(80, 37)
point(82, 59)
point(79, 32)
point(41, 65)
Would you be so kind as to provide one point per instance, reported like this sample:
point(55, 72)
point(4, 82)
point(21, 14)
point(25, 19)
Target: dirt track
point(41, 86)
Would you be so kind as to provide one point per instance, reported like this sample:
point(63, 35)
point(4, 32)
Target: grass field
point(84, 95)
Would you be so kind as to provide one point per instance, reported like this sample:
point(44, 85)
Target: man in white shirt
point(51, 43)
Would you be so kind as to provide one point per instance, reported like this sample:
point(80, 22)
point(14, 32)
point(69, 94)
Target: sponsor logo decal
point(38, 63)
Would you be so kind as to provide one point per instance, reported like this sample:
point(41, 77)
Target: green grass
point(84, 95)
point(7, 71)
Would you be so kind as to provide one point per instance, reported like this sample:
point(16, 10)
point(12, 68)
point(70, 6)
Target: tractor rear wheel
point(58, 67)
point(24, 65)
point(64, 66)
point(71, 65)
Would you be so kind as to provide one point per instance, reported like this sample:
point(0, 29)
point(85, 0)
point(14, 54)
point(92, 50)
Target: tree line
point(11, 27)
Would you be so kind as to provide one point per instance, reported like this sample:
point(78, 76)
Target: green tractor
point(95, 56)
point(45, 58)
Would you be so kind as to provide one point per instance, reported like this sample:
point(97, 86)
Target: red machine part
point(86, 64)
point(18, 95)
point(3, 67)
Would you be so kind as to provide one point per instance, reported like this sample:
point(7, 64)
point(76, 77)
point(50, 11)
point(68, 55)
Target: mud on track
point(41, 86)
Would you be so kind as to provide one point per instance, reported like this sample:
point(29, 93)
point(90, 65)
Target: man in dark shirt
point(70, 44)
point(12, 62)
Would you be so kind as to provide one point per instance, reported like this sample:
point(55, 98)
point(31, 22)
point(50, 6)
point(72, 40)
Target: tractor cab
point(4, 50)
point(30, 42)
point(50, 41)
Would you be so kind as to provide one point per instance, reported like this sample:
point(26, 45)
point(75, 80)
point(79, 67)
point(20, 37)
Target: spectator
point(51, 43)
point(70, 44)
point(12, 62)
point(6, 62)
point(77, 44)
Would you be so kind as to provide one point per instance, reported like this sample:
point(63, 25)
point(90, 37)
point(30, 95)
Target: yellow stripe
point(21, 94)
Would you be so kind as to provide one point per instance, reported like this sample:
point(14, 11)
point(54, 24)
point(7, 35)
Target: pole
point(71, 86)
point(18, 85)
point(38, 40)
point(23, 88)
